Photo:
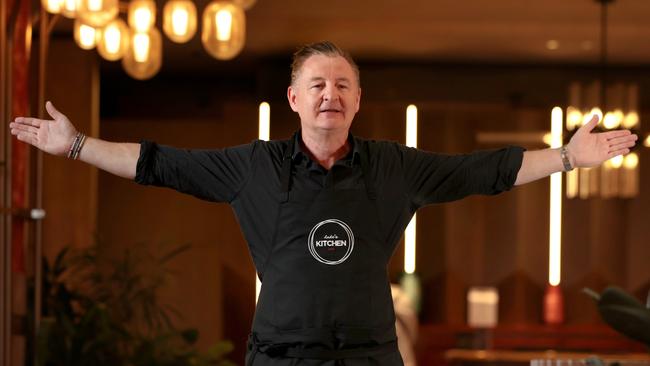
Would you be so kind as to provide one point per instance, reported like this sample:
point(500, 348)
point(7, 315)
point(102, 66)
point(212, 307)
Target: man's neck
point(325, 148)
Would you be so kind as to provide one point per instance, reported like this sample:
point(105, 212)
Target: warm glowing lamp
point(224, 30)
point(142, 15)
point(113, 40)
point(179, 20)
point(84, 35)
point(143, 58)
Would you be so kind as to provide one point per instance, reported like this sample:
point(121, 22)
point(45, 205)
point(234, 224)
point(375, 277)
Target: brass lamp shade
point(224, 30)
point(143, 58)
point(113, 40)
point(142, 15)
point(85, 35)
point(179, 20)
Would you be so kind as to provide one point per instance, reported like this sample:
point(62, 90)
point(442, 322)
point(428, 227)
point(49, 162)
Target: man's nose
point(330, 93)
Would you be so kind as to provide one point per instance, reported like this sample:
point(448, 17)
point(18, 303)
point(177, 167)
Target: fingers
point(53, 111)
point(617, 153)
point(27, 137)
point(618, 133)
point(622, 139)
point(22, 128)
point(622, 146)
point(27, 121)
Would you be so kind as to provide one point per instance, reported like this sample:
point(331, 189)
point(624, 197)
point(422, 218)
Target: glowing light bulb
point(85, 35)
point(142, 15)
point(143, 57)
point(224, 29)
point(179, 20)
point(141, 47)
point(223, 18)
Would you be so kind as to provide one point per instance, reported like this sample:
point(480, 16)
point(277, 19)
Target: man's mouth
point(330, 110)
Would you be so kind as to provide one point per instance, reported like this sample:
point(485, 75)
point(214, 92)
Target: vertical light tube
point(555, 219)
point(263, 134)
point(409, 233)
point(264, 121)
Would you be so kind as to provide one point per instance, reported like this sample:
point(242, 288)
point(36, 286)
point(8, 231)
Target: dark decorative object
point(624, 313)
point(99, 310)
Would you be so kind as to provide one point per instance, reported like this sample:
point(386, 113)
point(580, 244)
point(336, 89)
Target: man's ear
point(291, 96)
point(358, 101)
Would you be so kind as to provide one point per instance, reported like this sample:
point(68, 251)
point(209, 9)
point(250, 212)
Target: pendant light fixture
point(142, 15)
point(179, 20)
point(143, 58)
point(85, 35)
point(113, 40)
point(224, 30)
point(97, 24)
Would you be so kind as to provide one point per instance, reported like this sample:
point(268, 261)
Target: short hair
point(325, 48)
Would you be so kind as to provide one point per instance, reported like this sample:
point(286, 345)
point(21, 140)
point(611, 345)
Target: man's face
point(325, 94)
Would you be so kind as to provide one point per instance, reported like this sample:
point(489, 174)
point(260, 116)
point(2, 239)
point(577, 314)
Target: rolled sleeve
point(214, 175)
point(433, 178)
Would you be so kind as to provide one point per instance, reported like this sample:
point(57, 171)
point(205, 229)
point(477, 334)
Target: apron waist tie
point(291, 350)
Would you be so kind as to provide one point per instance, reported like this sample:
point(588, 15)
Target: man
point(323, 211)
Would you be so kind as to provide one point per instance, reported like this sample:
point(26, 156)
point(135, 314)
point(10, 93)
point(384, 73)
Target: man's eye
point(317, 86)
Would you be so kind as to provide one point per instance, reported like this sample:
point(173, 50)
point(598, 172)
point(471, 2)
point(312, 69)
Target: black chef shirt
point(248, 177)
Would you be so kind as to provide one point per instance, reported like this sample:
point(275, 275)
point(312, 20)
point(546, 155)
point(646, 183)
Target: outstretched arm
point(586, 149)
point(56, 137)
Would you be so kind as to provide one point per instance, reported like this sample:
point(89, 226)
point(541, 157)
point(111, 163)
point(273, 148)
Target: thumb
point(53, 112)
point(589, 126)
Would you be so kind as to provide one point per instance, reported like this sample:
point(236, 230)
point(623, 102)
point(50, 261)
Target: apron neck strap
point(287, 166)
point(365, 169)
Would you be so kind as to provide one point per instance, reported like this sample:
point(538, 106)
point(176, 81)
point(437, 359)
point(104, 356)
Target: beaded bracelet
point(75, 154)
point(74, 144)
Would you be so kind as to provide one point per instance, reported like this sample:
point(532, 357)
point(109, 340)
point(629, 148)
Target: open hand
point(587, 149)
point(52, 136)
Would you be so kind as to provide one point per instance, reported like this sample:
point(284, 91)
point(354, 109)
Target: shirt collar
point(353, 155)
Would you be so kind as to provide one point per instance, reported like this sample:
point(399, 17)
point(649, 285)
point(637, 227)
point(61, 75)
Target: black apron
point(325, 297)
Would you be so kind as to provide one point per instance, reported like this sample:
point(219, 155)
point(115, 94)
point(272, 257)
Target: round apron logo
point(331, 241)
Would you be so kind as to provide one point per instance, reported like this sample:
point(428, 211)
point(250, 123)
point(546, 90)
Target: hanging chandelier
point(97, 24)
point(617, 106)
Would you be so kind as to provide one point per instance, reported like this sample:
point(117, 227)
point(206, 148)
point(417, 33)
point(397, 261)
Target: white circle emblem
point(331, 241)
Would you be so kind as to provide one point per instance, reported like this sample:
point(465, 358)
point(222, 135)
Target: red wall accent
point(20, 150)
